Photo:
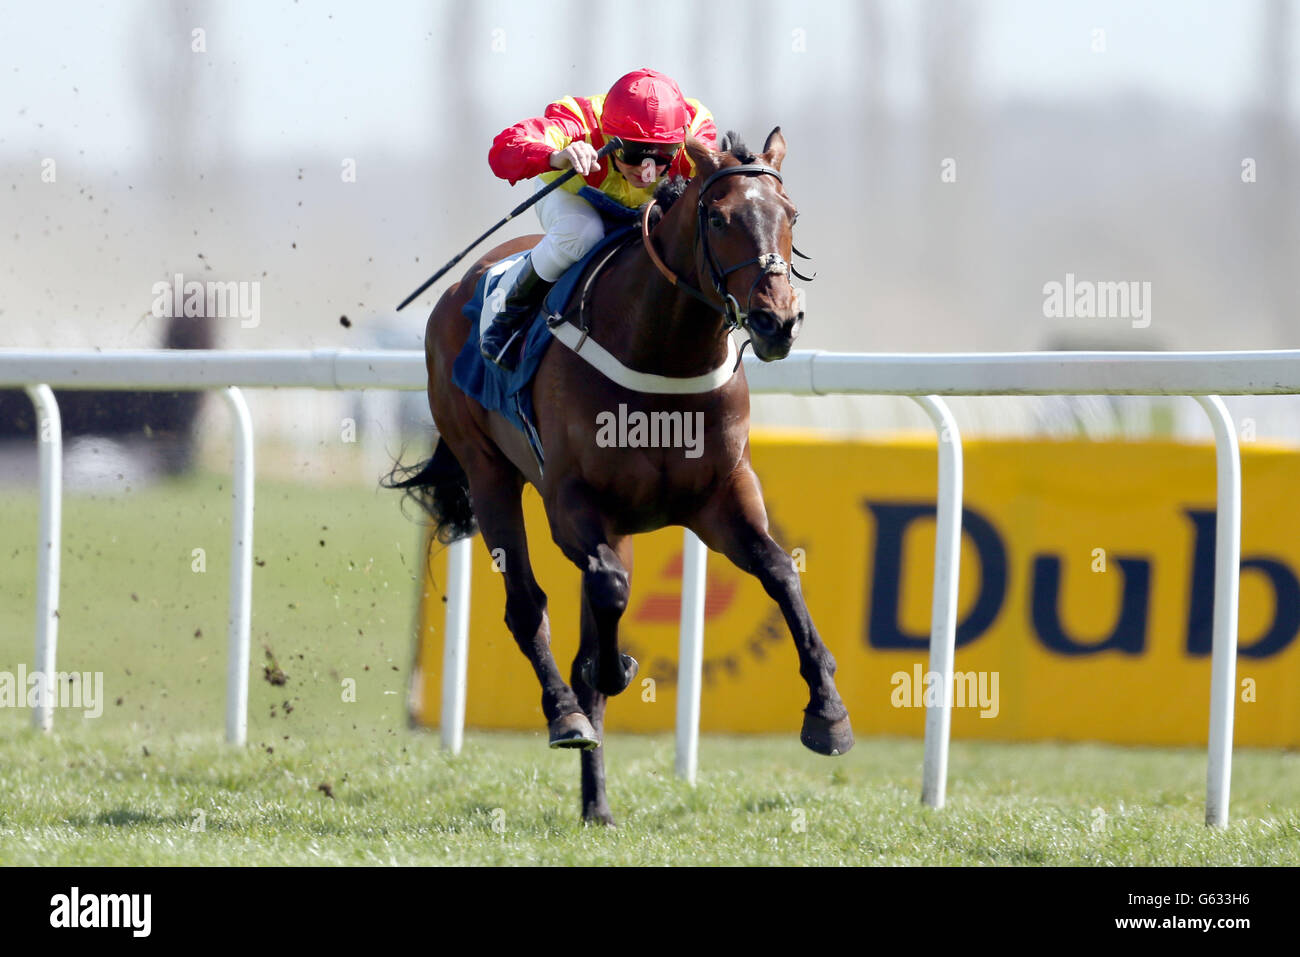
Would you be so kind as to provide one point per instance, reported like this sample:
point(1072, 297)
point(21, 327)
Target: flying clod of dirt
point(272, 671)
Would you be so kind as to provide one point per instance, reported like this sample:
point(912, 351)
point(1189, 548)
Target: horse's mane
point(670, 191)
point(672, 188)
point(733, 144)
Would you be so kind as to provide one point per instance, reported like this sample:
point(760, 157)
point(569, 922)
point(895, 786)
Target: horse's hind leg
point(595, 806)
point(735, 523)
point(497, 493)
point(579, 528)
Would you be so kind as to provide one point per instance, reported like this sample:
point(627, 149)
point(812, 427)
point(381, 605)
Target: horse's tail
point(440, 488)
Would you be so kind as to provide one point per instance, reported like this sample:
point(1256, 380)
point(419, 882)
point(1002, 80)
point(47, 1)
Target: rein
point(576, 336)
point(771, 263)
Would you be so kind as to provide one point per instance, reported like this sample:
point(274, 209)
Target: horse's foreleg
point(580, 530)
point(595, 805)
point(735, 523)
point(497, 498)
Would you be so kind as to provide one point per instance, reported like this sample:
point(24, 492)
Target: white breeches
point(573, 228)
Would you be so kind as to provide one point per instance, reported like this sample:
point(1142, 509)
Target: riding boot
point(498, 341)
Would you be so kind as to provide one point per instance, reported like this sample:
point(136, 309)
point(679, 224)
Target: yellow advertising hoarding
point(1084, 611)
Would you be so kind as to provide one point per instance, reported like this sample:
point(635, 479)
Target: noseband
point(771, 263)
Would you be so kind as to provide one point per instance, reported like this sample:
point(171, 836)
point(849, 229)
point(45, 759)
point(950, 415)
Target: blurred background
point(949, 158)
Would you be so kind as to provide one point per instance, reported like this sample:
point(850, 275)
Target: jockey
point(648, 112)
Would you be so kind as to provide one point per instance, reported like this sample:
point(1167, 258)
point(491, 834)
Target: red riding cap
point(645, 106)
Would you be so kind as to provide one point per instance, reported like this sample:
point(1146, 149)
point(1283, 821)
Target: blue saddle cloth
point(507, 392)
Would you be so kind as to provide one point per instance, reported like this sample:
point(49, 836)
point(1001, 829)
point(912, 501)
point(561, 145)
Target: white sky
point(328, 75)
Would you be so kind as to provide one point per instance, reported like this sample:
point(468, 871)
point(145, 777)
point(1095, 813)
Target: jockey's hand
point(580, 155)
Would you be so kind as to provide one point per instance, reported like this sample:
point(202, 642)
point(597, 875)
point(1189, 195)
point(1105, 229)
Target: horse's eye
point(716, 220)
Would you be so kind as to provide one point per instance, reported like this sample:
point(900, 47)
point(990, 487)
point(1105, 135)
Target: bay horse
point(728, 229)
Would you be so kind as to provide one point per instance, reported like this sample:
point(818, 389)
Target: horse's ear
point(774, 148)
point(706, 161)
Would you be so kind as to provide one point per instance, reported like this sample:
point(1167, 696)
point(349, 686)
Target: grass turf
point(94, 796)
point(329, 781)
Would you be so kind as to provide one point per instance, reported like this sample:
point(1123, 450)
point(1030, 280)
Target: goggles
point(634, 154)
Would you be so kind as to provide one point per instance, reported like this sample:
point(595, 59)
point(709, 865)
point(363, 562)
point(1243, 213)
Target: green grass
point(127, 788)
point(333, 599)
point(91, 796)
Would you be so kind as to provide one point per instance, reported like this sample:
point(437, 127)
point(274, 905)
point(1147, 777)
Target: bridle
point(771, 263)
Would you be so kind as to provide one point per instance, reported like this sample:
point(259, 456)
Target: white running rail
point(1205, 375)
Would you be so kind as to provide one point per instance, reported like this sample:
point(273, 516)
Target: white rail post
point(241, 570)
point(943, 608)
point(690, 655)
point(49, 442)
point(1227, 579)
point(455, 645)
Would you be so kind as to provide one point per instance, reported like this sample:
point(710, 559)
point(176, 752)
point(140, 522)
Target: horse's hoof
point(630, 668)
point(826, 737)
point(598, 814)
point(573, 731)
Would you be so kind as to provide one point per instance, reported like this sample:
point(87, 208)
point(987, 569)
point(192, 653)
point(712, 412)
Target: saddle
point(498, 390)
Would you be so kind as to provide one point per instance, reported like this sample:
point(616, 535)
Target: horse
point(645, 306)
